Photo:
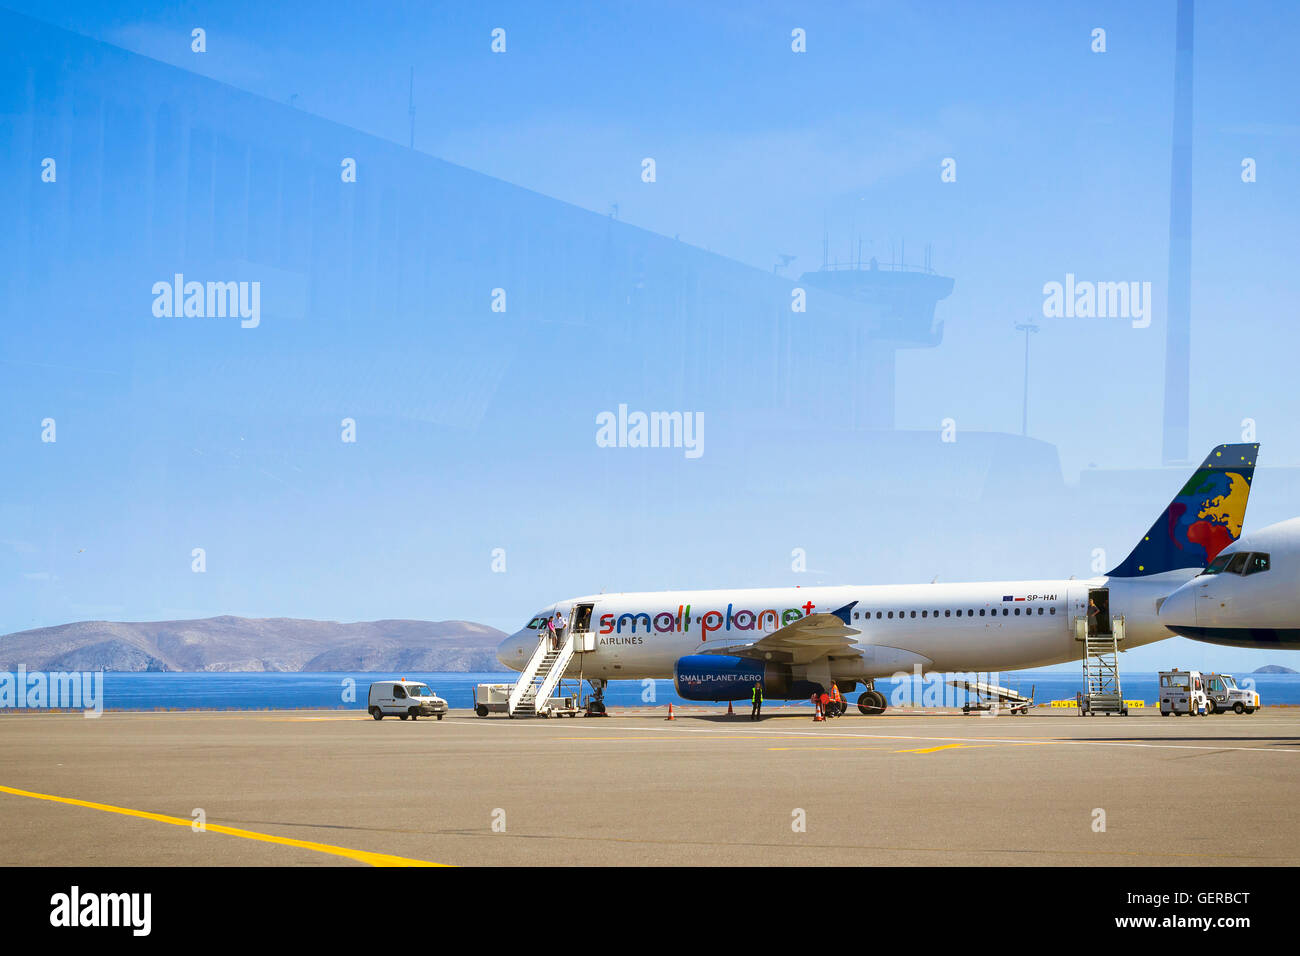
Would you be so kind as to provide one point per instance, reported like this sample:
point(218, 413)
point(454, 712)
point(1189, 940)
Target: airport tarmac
point(303, 788)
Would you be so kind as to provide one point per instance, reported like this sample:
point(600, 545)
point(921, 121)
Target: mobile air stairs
point(540, 677)
point(1101, 636)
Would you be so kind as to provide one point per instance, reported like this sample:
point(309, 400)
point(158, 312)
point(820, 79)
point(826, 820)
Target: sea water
point(260, 690)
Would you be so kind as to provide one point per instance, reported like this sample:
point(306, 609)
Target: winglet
point(844, 612)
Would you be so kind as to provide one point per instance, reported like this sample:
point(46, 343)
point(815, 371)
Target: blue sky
point(758, 150)
point(1063, 166)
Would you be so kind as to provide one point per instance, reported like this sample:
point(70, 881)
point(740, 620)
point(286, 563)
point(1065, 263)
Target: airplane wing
point(798, 642)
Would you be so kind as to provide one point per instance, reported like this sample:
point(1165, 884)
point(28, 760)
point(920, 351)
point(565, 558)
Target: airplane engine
point(714, 677)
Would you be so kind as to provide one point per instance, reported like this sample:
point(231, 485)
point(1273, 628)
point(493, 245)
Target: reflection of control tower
point(898, 313)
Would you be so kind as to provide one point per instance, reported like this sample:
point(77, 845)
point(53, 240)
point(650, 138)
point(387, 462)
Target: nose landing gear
point(596, 702)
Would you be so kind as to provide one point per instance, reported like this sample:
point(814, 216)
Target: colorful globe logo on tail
point(1204, 518)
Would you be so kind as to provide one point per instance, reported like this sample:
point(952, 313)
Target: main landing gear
point(871, 702)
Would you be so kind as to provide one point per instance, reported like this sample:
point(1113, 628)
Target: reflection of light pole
point(410, 107)
point(1025, 327)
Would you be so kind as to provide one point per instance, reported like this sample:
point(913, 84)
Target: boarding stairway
point(1102, 693)
point(532, 692)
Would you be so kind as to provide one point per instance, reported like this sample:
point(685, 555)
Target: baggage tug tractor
point(1225, 695)
point(1182, 692)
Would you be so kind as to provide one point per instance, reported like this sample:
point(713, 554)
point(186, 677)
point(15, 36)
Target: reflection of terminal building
point(390, 279)
point(900, 304)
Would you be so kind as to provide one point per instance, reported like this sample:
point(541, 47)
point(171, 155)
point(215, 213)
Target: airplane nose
point(511, 651)
point(1179, 609)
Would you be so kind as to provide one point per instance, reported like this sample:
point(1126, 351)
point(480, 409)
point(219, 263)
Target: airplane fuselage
point(989, 626)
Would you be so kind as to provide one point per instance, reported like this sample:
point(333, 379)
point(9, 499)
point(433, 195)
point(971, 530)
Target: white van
point(405, 698)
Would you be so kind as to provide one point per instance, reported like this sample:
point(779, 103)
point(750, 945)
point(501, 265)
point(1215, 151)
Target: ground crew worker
point(824, 700)
point(835, 696)
point(757, 712)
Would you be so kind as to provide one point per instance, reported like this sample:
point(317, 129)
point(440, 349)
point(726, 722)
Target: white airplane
point(1249, 596)
point(796, 640)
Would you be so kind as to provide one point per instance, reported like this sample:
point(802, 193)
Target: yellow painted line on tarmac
point(827, 748)
point(361, 856)
point(923, 750)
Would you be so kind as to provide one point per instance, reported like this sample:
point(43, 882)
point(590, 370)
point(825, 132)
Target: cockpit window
point(1239, 562)
point(1218, 564)
point(1258, 562)
point(536, 622)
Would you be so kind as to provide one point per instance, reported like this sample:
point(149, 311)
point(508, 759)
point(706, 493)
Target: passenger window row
point(969, 612)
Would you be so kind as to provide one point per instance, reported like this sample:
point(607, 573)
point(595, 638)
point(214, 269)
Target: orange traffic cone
point(670, 712)
point(730, 712)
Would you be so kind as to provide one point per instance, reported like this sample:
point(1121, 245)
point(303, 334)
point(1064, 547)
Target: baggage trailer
point(566, 706)
point(494, 699)
point(491, 698)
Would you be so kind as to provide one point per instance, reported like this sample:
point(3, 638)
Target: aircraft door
point(1099, 611)
point(1201, 606)
point(580, 625)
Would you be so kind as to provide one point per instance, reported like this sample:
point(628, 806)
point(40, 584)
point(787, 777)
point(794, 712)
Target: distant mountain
point(1273, 669)
point(254, 644)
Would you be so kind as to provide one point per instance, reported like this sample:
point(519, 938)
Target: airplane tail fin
point(1203, 519)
